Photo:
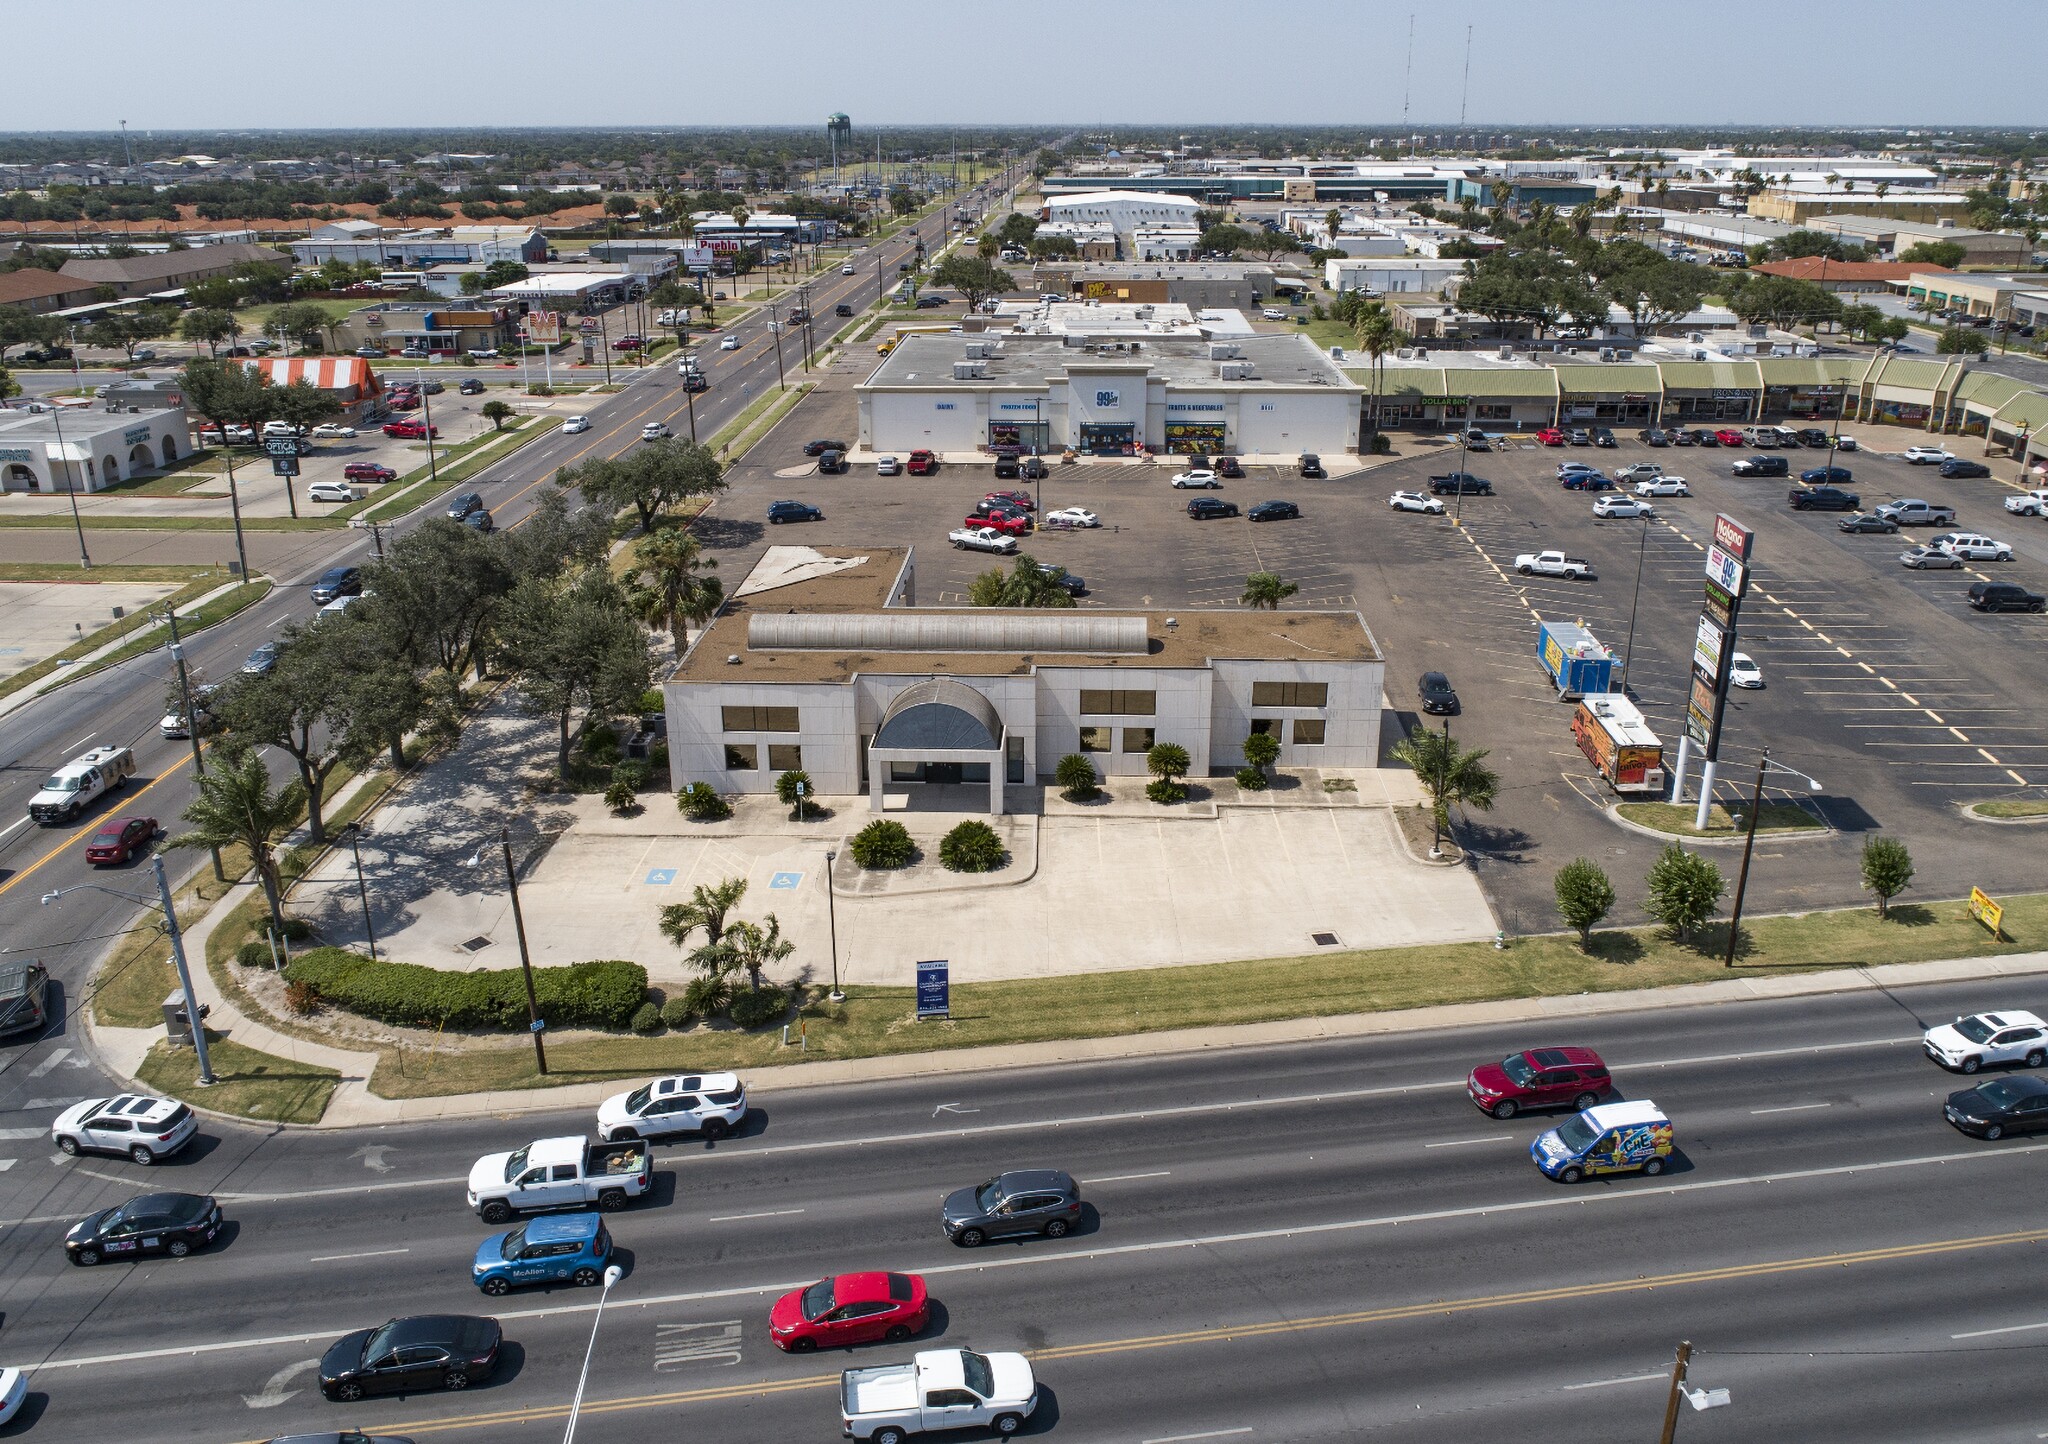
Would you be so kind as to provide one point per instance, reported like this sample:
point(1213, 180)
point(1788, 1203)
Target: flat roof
point(1277, 359)
point(865, 582)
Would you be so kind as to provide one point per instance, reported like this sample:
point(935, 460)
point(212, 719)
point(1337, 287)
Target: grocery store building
point(823, 662)
point(1254, 395)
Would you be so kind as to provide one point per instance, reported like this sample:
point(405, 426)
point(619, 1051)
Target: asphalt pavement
point(1315, 1242)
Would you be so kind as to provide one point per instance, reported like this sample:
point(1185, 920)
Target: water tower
point(836, 125)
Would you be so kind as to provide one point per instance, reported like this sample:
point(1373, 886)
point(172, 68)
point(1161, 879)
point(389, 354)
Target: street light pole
point(191, 723)
point(1756, 807)
point(611, 1276)
point(1629, 648)
point(355, 830)
point(71, 483)
point(540, 1051)
point(832, 926)
point(427, 403)
point(1678, 1370)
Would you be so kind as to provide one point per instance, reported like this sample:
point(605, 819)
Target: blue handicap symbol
point(660, 876)
point(786, 879)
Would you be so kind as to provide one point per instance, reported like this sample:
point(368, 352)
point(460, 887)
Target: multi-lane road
point(1317, 1242)
point(122, 705)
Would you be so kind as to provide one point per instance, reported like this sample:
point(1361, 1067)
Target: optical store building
point(1109, 395)
point(823, 662)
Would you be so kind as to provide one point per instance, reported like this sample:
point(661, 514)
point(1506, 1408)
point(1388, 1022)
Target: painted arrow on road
point(274, 1391)
point(952, 1108)
point(373, 1157)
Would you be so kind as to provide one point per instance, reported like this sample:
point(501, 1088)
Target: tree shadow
point(1494, 841)
point(1910, 915)
point(725, 533)
point(1616, 947)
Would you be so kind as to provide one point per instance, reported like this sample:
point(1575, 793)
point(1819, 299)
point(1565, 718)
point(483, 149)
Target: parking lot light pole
point(1756, 807)
point(1628, 649)
point(611, 1276)
point(426, 402)
point(837, 994)
point(71, 484)
point(354, 833)
point(162, 902)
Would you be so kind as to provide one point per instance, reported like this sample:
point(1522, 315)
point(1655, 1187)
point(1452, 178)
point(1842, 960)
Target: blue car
point(1825, 475)
point(562, 1248)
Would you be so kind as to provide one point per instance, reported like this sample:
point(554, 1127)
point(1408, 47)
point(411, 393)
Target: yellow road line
point(1233, 1333)
point(184, 756)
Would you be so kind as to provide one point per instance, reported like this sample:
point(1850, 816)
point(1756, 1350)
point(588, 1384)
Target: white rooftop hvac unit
point(1406, 353)
point(1507, 353)
point(969, 370)
point(1606, 353)
point(1236, 370)
point(1221, 350)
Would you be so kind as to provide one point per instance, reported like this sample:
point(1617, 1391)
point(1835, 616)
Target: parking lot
point(1879, 681)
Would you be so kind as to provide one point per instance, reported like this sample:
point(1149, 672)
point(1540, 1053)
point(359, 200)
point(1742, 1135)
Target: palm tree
point(1265, 590)
point(1376, 337)
point(988, 248)
point(236, 805)
point(1449, 774)
point(674, 594)
point(756, 946)
point(706, 909)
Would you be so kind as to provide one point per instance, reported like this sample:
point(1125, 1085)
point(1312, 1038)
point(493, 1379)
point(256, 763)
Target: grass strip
point(77, 575)
point(743, 432)
point(1676, 818)
point(247, 1083)
point(222, 607)
point(2011, 807)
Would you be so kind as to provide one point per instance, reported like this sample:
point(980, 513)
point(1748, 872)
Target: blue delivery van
point(1606, 1138)
point(560, 1248)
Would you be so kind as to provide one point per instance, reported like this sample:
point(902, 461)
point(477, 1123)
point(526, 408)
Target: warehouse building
point(152, 275)
point(1270, 394)
point(1987, 297)
point(359, 241)
point(1123, 211)
point(1199, 285)
point(823, 662)
point(1892, 237)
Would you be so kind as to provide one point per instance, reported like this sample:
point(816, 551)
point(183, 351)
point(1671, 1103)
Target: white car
point(1744, 672)
point(575, 424)
point(13, 1393)
point(1272, 313)
point(2029, 503)
point(339, 491)
point(887, 466)
point(333, 431)
point(656, 431)
point(846, 268)
point(339, 605)
point(1199, 477)
point(711, 1104)
point(1925, 455)
point(483, 353)
point(1972, 546)
point(1415, 501)
point(1074, 516)
point(1625, 506)
point(134, 1125)
point(280, 429)
point(982, 539)
point(728, 343)
point(1663, 486)
point(1968, 1044)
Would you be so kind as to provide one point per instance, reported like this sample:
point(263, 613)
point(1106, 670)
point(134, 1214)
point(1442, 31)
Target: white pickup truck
point(71, 788)
point(2029, 503)
point(559, 1173)
point(1553, 564)
point(941, 1389)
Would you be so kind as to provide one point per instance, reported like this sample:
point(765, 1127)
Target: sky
point(293, 64)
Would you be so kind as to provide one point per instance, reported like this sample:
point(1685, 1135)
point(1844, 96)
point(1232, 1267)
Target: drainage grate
point(1324, 940)
point(475, 945)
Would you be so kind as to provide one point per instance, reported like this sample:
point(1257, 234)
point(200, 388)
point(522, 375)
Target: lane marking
point(1396, 1313)
point(22, 1135)
point(71, 747)
point(183, 759)
point(736, 1217)
point(1987, 1333)
point(1609, 1383)
point(1209, 1434)
point(50, 1103)
point(1465, 1142)
point(1790, 1108)
point(7, 1163)
point(1130, 1177)
point(57, 1055)
point(373, 1253)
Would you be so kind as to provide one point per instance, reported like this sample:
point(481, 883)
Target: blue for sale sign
point(933, 988)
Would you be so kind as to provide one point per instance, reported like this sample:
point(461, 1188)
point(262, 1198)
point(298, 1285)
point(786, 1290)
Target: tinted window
point(1290, 694)
point(899, 1288)
point(1096, 703)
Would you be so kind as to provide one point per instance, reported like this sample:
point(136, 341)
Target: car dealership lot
point(1880, 681)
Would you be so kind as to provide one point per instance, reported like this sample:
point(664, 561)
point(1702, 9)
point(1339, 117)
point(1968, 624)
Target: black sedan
point(172, 1223)
point(410, 1356)
point(1437, 694)
point(1967, 470)
point(782, 511)
point(1868, 521)
point(819, 448)
point(1204, 508)
point(1273, 511)
point(2014, 1104)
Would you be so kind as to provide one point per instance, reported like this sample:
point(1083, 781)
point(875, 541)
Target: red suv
point(1015, 500)
point(368, 471)
point(1550, 436)
point(1002, 518)
point(1540, 1078)
point(410, 430)
point(923, 463)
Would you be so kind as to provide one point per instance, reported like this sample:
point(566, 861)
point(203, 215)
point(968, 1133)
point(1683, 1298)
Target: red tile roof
point(1818, 268)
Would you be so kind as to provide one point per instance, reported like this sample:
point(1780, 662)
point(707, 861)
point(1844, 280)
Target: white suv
point(1925, 455)
point(1972, 546)
point(331, 491)
point(136, 1125)
point(1968, 1044)
point(711, 1104)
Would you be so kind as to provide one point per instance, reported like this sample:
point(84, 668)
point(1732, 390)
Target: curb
point(1970, 814)
point(1804, 834)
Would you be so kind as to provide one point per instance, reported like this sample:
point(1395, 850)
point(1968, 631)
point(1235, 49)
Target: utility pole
point(191, 722)
point(192, 1010)
point(71, 484)
point(1678, 1367)
point(540, 1051)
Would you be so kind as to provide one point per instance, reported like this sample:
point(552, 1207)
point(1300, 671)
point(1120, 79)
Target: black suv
point(1813, 436)
point(338, 582)
point(1025, 1200)
point(1033, 469)
point(782, 511)
point(1273, 511)
point(1653, 436)
point(24, 986)
point(831, 463)
point(2005, 597)
point(819, 448)
point(463, 505)
point(1824, 498)
point(1955, 466)
point(1203, 508)
point(1311, 466)
point(1762, 466)
point(1464, 483)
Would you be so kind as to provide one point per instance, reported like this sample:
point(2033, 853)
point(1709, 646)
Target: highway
point(1316, 1242)
point(122, 705)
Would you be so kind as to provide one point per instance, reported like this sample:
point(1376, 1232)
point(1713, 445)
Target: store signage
point(1031, 406)
point(934, 987)
point(1699, 710)
point(544, 327)
point(1985, 911)
point(1444, 401)
point(284, 465)
point(135, 436)
point(14, 453)
point(1706, 646)
point(1719, 608)
point(942, 406)
point(1732, 537)
point(1726, 572)
point(1194, 406)
point(282, 445)
point(1108, 398)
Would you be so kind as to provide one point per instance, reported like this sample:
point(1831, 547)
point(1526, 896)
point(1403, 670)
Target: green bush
point(1165, 790)
point(657, 759)
point(633, 772)
point(700, 802)
point(619, 797)
point(676, 1012)
point(601, 994)
point(751, 1009)
point(646, 1020)
point(1252, 779)
point(601, 745)
point(254, 954)
point(652, 702)
point(296, 930)
point(708, 996)
point(1076, 777)
point(883, 843)
point(973, 846)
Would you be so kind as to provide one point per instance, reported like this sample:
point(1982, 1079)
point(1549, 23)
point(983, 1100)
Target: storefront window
point(740, 757)
point(1194, 436)
point(1308, 731)
point(1290, 694)
point(1014, 758)
point(1095, 739)
point(1108, 438)
point(1118, 703)
point(1266, 726)
point(1022, 436)
point(785, 757)
point(1138, 739)
point(1495, 411)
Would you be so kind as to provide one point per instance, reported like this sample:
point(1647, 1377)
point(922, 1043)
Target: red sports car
point(410, 430)
point(120, 839)
point(1015, 500)
point(1015, 523)
point(1550, 436)
point(1727, 437)
point(849, 1309)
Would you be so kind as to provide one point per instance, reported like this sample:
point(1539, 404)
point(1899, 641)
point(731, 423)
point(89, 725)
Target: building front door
point(944, 773)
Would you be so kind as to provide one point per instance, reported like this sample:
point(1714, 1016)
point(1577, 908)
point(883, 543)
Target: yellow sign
point(1985, 911)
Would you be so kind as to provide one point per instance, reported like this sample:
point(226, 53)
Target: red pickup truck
point(410, 430)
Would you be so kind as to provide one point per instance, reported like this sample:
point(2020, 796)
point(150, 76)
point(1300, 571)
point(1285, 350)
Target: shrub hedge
point(601, 994)
point(646, 1020)
point(973, 846)
point(750, 1009)
point(883, 843)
